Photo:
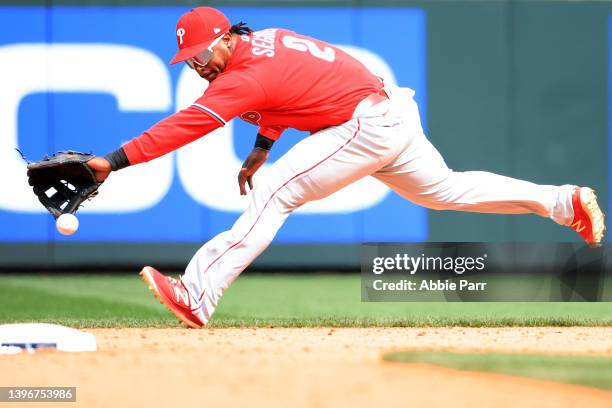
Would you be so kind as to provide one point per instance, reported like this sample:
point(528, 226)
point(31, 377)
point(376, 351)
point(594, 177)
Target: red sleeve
point(272, 132)
point(170, 134)
point(226, 97)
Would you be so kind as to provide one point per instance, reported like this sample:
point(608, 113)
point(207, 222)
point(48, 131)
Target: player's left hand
point(253, 162)
point(101, 168)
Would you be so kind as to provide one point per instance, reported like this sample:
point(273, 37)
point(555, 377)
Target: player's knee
point(282, 200)
point(289, 202)
point(439, 196)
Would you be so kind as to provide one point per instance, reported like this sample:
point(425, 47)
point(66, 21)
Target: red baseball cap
point(197, 29)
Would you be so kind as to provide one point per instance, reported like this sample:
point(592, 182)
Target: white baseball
point(67, 224)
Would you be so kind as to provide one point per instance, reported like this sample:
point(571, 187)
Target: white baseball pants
point(387, 144)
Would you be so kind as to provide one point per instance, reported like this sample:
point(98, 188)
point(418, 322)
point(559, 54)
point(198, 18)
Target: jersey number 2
point(302, 44)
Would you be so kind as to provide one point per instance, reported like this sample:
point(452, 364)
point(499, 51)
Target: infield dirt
point(314, 367)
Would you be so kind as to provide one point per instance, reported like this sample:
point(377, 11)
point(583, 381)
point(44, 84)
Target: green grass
point(299, 300)
point(591, 371)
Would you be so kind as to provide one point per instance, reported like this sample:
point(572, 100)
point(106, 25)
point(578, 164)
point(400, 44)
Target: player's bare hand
point(101, 168)
point(253, 162)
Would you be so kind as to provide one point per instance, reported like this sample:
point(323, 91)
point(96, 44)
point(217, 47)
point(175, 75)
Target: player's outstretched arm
point(164, 137)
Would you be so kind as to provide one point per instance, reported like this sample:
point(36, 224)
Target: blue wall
point(93, 121)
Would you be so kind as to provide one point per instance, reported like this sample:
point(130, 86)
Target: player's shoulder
point(272, 30)
point(274, 33)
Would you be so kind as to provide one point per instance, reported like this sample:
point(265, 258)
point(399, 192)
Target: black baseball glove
point(63, 181)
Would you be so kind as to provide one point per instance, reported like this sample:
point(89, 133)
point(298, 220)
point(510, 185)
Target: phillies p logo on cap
point(180, 33)
point(204, 24)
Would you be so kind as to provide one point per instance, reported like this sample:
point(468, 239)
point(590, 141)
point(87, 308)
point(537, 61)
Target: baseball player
point(360, 126)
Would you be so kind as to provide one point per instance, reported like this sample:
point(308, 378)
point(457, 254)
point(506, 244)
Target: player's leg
point(316, 167)
point(420, 175)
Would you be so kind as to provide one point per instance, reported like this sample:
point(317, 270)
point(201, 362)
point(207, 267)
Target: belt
point(369, 102)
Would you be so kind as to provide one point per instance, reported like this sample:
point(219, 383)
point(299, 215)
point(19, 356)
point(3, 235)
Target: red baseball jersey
point(274, 79)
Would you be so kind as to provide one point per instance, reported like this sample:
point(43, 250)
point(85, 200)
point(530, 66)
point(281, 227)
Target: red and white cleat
point(172, 294)
point(588, 217)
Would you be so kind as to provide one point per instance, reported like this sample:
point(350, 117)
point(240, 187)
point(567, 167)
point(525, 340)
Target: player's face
point(203, 57)
point(216, 60)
